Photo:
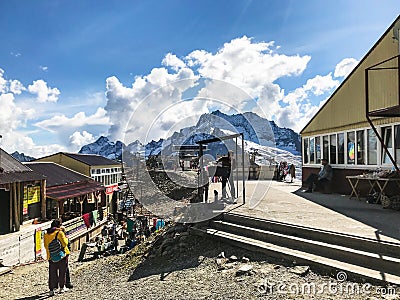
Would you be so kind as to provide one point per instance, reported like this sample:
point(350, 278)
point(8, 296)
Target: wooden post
point(15, 207)
point(43, 198)
point(11, 206)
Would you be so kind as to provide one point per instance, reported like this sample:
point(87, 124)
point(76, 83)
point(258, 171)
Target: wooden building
point(104, 170)
point(358, 128)
point(22, 194)
point(69, 194)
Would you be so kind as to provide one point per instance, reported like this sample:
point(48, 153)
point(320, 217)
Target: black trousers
point(231, 183)
point(313, 179)
point(57, 273)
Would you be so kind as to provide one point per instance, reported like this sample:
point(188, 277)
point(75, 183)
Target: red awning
point(72, 190)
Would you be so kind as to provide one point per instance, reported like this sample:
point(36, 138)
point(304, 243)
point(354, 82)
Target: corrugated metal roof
point(73, 190)
point(56, 174)
point(10, 164)
point(92, 159)
point(19, 177)
point(11, 170)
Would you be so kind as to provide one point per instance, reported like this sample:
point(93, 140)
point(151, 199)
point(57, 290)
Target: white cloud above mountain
point(79, 139)
point(240, 76)
point(80, 119)
point(243, 75)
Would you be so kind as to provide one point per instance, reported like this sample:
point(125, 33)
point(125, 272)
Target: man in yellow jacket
point(56, 245)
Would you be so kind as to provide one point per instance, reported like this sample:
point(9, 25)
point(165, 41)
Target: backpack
point(56, 250)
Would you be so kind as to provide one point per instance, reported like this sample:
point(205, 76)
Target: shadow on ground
point(386, 221)
point(191, 253)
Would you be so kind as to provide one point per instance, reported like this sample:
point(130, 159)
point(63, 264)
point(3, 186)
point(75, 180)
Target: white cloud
point(3, 82)
point(148, 96)
point(43, 68)
point(80, 139)
point(80, 119)
point(13, 119)
point(16, 87)
point(299, 109)
point(171, 60)
point(247, 65)
point(344, 67)
point(43, 92)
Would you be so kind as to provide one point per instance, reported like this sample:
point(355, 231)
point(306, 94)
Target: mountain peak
point(22, 157)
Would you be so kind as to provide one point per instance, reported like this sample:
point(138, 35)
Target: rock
point(300, 270)
point(221, 255)
point(233, 258)
point(276, 267)
point(245, 259)
point(244, 270)
point(221, 261)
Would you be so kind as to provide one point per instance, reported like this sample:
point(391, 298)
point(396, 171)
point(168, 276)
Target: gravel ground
point(177, 265)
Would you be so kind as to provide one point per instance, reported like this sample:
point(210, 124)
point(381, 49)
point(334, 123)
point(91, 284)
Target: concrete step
point(4, 270)
point(316, 262)
point(380, 248)
point(362, 258)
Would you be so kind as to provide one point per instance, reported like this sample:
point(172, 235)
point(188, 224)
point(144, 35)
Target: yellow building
point(101, 169)
point(358, 128)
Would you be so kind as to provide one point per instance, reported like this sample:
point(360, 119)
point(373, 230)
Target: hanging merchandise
point(85, 218)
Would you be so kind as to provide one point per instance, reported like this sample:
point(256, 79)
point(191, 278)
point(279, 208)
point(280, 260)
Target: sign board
point(110, 189)
point(31, 194)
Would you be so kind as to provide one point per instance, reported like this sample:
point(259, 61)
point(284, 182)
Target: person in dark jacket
point(322, 179)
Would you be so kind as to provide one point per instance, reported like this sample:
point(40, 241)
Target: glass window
point(312, 150)
point(372, 143)
point(340, 145)
point(318, 149)
point(325, 147)
point(305, 150)
point(351, 153)
point(387, 139)
point(360, 147)
point(397, 142)
point(333, 147)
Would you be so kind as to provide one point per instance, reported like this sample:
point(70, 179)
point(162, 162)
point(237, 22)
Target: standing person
point(56, 245)
point(228, 164)
point(292, 172)
point(322, 179)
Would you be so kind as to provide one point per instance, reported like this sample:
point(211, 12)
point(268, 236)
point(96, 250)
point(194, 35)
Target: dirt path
point(182, 266)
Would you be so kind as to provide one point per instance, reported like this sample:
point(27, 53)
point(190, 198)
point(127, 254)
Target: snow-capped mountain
point(22, 157)
point(104, 147)
point(256, 131)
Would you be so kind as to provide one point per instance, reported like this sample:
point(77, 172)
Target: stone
point(244, 270)
point(233, 258)
point(276, 267)
point(245, 259)
point(300, 270)
point(221, 255)
point(221, 261)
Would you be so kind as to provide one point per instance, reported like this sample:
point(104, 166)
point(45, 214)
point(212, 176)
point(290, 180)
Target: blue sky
point(74, 70)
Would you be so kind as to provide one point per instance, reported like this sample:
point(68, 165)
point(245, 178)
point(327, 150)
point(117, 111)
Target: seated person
point(322, 179)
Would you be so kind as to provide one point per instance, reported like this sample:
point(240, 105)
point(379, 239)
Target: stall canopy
point(72, 190)
point(63, 183)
